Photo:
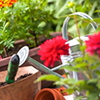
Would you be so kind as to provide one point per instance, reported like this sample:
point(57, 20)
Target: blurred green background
point(31, 19)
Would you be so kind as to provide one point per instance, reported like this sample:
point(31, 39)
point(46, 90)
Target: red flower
point(93, 44)
point(52, 49)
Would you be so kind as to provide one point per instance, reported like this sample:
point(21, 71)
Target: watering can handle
point(64, 28)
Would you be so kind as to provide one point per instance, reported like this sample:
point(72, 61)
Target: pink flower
point(52, 49)
point(93, 44)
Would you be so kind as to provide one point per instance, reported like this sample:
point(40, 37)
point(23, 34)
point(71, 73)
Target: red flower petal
point(93, 44)
point(52, 49)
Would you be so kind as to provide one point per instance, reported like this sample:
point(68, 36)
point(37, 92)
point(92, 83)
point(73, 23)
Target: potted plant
point(23, 20)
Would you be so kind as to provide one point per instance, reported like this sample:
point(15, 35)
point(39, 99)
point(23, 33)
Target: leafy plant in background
point(26, 20)
point(65, 7)
point(6, 38)
point(34, 21)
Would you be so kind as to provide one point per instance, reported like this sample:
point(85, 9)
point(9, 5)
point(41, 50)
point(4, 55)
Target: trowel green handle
point(12, 68)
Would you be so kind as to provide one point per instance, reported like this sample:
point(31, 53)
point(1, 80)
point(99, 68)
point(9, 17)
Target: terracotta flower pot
point(49, 94)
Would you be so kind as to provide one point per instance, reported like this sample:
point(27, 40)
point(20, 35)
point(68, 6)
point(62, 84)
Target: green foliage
point(65, 81)
point(27, 20)
point(89, 66)
point(78, 98)
point(69, 90)
point(6, 39)
point(65, 7)
point(48, 78)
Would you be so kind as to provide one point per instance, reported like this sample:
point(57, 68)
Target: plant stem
point(35, 37)
point(98, 97)
point(89, 73)
point(78, 30)
point(5, 51)
point(86, 74)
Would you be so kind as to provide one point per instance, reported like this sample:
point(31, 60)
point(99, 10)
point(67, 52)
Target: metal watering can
point(22, 55)
point(74, 50)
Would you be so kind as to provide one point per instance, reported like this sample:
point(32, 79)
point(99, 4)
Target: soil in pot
point(19, 78)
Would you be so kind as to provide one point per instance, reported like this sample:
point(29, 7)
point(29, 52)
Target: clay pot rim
point(52, 91)
point(43, 90)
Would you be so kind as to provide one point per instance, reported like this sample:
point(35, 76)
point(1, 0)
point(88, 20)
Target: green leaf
point(79, 98)
point(97, 11)
point(69, 90)
point(48, 78)
point(97, 72)
point(78, 60)
point(92, 81)
point(82, 48)
point(84, 24)
point(42, 24)
point(93, 67)
point(87, 93)
point(92, 96)
point(70, 68)
point(98, 85)
point(81, 83)
point(69, 81)
point(97, 20)
point(61, 82)
point(81, 65)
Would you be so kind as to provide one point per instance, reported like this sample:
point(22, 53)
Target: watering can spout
point(22, 57)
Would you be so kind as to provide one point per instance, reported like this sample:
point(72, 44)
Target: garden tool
point(12, 68)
